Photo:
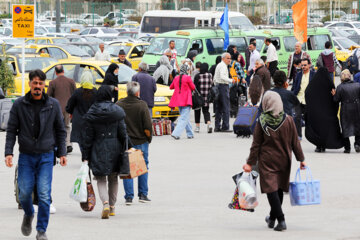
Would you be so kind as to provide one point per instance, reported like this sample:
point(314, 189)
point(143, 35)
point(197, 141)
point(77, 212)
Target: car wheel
point(338, 69)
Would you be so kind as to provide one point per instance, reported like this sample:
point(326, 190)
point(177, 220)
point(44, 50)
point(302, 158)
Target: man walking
point(122, 59)
point(255, 55)
point(328, 59)
point(139, 129)
point(271, 57)
point(102, 54)
point(263, 73)
point(222, 81)
point(298, 54)
point(248, 53)
point(300, 84)
point(37, 121)
point(62, 88)
point(173, 60)
point(147, 84)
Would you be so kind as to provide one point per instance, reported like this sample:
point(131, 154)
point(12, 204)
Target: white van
point(160, 21)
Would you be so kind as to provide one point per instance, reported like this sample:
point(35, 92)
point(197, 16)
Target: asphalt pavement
point(190, 186)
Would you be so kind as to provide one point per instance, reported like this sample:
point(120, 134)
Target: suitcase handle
point(308, 174)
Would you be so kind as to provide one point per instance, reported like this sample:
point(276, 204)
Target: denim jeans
point(183, 123)
point(223, 108)
point(150, 111)
point(331, 74)
point(142, 180)
point(36, 169)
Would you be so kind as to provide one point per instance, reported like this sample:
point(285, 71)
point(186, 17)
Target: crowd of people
point(105, 127)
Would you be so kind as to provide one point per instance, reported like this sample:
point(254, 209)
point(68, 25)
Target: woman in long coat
point(104, 141)
point(348, 94)
point(275, 138)
point(79, 103)
point(111, 78)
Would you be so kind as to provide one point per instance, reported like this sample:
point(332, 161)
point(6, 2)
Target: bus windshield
point(166, 24)
point(160, 44)
point(241, 22)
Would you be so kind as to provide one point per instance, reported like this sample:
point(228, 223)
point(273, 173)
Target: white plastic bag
point(79, 191)
point(246, 184)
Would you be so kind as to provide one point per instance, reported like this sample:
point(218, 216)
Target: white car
point(344, 24)
point(6, 31)
point(112, 15)
point(84, 39)
point(130, 13)
point(50, 15)
point(40, 30)
point(99, 32)
point(6, 22)
point(92, 19)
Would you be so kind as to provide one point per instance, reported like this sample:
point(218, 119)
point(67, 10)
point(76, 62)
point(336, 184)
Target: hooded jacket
point(104, 134)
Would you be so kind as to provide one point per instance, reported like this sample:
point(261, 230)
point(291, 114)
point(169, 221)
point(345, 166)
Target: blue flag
point(224, 24)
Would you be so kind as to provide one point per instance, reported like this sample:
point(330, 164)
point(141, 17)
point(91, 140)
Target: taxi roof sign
point(23, 20)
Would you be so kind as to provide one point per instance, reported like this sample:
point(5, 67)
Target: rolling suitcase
point(245, 121)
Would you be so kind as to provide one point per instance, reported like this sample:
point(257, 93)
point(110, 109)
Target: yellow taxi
point(47, 40)
point(55, 51)
point(32, 61)
point(134, 52)
point(74, 69)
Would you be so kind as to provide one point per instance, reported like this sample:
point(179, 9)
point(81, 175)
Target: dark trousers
point(223, 108)
point(206, 114)
point(273, 67)
point(300, 111)
point(275, 200)
point(347, 142)
point(249, 76)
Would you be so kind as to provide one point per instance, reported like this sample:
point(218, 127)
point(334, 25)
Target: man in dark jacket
point(122, 58)
point(139, 129)
point(62, 88)
point(263, 73)
point(36, 119)
point(300, 84)
point(147, 84)
point(288, 98)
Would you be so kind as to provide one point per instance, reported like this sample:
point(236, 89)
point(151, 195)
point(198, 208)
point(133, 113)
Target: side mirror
point(99, 81)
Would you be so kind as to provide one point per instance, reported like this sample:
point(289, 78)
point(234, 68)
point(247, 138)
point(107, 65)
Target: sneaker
point(112, 211)
point(209, 128)
point(52, 209)
point(357, 148)
point(36, 208)
point(69, 149)
point(26, 225)
point(191, 137)
point(197, 129)
point(217, 130)
point(105, 212)
point(144, 199)
point(128, 201)
point(347, 150)
point(41, 236)
point(176, 138)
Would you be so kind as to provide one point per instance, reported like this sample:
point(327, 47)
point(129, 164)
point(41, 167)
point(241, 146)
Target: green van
point(208, 42)
point(286, 43)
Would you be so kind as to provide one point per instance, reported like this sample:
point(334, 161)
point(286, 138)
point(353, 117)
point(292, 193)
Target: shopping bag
point(79, 189)
point(245, 193)
point(305, 192)
point(90, 203)
point(157, 128)
point(137, 164)
point(166, 126)
point(197, 100)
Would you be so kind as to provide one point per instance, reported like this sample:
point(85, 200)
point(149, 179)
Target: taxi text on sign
point(23, 21)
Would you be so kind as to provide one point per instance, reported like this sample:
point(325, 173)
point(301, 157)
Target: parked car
point(6, 31)
point(47, 40)
point(99, 32)
point(92, 19)
point(90, 48)
point(134, 52)
point(84, 39)
point(112, 15)
point(6, 22)
point(343, 24)
point(349, 33)
point(350, 17)
point(130, 13)
point(9, 42)
point(344, 49)
point(130, 34)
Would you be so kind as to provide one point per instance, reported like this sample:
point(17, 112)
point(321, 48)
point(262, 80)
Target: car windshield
point(75, 51)
point(32, 63)
point(346, 43)
point(114, 50)
point(109, 30)
point(160, 44)
point(18, 50)
point(242, 23)
point(125, 73)
point(357, 25)
point(60, 41)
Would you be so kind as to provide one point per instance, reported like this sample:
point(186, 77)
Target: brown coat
point(273, 154)
point(265, 77)
point(61, 88)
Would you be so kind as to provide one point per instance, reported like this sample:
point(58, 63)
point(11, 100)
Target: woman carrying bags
point(111, 78)
point(182, 98)
point(104, 141)
point(275, 138)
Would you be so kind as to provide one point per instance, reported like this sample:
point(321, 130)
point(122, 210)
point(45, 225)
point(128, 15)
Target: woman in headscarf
point(190, 61)
point(275, 138)
point(79, 103)
point(104, 142)
point(111, 78)
point(256, 91)
point(348, 94)
point(182, 98)
point(203, 82)
point(162, 74)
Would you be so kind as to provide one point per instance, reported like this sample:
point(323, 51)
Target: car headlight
point(159, 99)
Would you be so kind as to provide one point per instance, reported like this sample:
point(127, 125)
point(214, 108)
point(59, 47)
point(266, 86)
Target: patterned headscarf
point(184, 69)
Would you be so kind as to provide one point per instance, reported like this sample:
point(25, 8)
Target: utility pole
point(58, 16)
point(268, 11)
point(331, 12)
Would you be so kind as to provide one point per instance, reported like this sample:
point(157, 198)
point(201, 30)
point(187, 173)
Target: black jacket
point(52, 130)
point(348, 93)
point(126, 62)
point(78, 105)
point(288, 98)
point(104, 137)
point(297, 81)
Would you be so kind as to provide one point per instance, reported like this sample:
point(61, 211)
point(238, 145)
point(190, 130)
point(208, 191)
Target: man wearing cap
point(122, 58)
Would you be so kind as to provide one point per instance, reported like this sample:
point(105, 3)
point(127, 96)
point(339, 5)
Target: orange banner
point(300, 20)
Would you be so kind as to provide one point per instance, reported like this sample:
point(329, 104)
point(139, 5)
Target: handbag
point(213, 95)
point(89, 205)
point(124, 167)
point(305, 192)
point(197, 100)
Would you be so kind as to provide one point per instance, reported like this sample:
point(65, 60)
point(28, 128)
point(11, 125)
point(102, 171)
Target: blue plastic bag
point(305, 192)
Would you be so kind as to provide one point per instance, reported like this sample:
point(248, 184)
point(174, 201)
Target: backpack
point(352, 63)
point(233, 72)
